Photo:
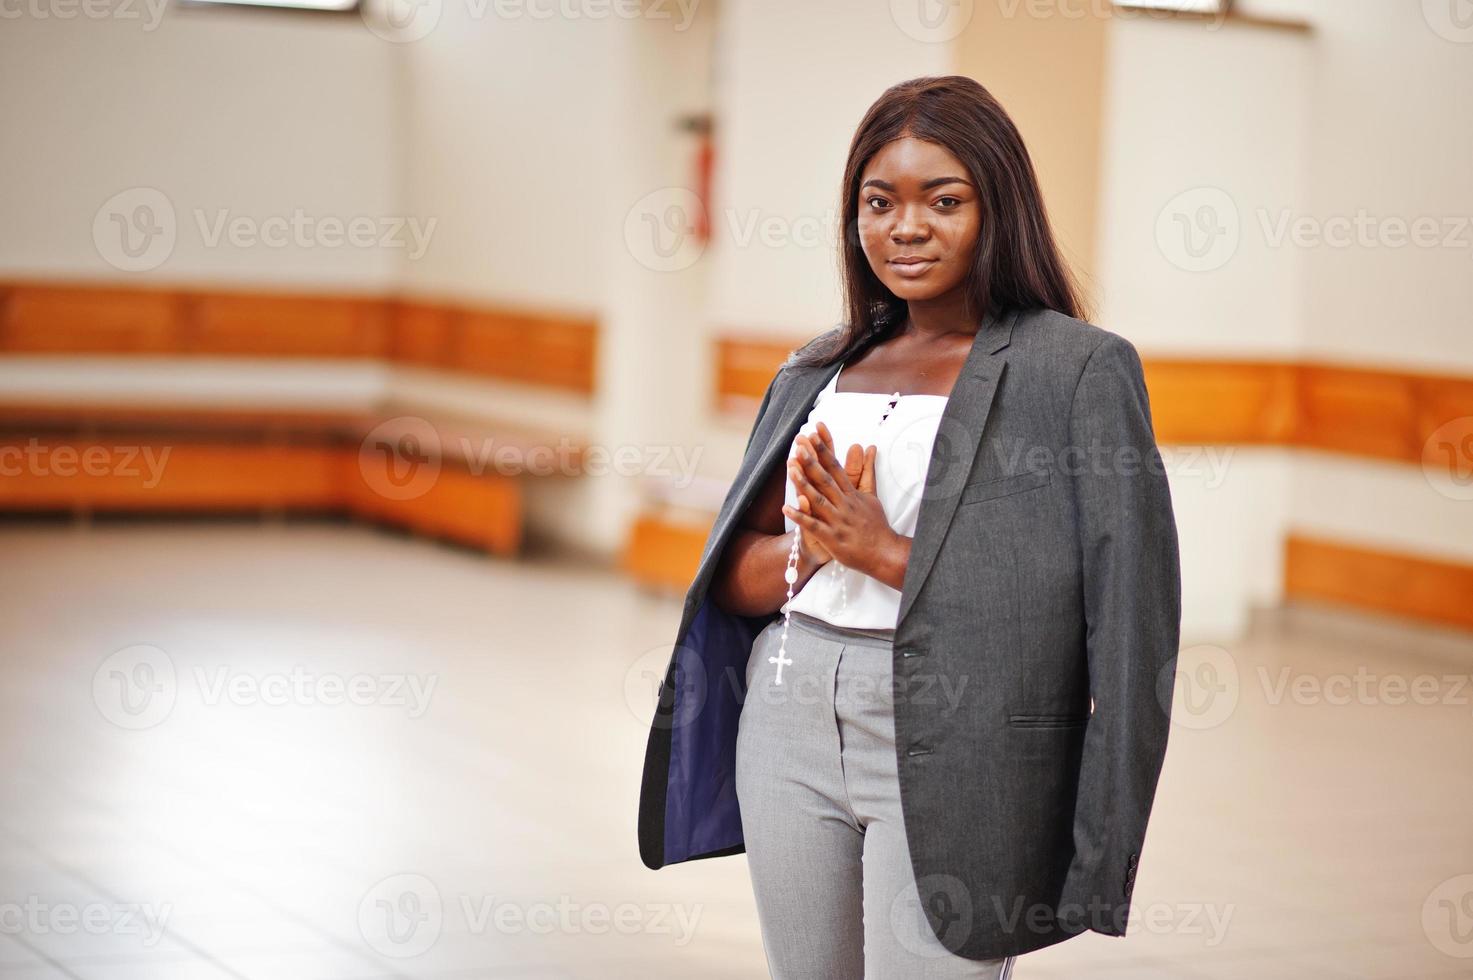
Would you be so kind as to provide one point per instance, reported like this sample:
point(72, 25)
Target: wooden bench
point(450, 477)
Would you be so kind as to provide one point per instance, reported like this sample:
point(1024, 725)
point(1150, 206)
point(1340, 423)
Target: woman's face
point(919, 218)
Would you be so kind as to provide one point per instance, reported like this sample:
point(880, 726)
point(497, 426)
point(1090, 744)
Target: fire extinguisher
point(705, 158)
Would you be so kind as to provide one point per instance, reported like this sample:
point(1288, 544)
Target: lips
point(911, 267)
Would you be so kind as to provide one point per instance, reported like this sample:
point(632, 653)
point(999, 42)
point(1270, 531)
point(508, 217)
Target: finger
point(867, 476)
point(854, 464)
point(819, 476)
point(828, 457)
point(804, 487)
point(805, 523)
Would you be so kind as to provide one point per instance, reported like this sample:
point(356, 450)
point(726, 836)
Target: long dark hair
point(1016, 263)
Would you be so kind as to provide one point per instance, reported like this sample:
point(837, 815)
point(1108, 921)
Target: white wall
point(1363, 114)
point(795, 80)
point(1194, 145)
point(250, 113)
point(1391, 140)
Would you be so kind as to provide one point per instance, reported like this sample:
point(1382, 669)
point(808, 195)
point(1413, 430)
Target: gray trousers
point(819, 792)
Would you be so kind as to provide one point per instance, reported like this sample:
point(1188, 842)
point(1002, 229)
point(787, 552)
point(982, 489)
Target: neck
point(934, 318)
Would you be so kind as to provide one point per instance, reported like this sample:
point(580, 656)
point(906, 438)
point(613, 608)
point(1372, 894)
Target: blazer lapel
point(802, 388)
point(798, 394)
point(958, 436)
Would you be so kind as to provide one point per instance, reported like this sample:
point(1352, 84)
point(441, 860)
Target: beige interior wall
point(1046, 64)
point(224, 112)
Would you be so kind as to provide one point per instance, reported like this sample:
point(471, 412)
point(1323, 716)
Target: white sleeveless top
point(836, 593)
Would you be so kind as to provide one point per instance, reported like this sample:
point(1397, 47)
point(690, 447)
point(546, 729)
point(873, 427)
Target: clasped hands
point(839, 511)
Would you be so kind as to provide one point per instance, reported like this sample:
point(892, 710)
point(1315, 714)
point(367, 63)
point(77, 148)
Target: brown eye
point(871, 201)
point(957, 200)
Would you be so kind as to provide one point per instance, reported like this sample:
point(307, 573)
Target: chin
point(912, 290)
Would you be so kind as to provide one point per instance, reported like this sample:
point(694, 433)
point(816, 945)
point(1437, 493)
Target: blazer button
point(908, 652)
point(918, 749)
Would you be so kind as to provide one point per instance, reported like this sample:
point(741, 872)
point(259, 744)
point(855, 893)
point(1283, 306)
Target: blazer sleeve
point(761, 411)
point(1132, 605)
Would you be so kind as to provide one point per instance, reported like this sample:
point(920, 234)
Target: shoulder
point(823, 342)
point(1074, 363)
point(1070, 339)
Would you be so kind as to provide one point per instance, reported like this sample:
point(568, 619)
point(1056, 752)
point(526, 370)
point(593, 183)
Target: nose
point(908, 228)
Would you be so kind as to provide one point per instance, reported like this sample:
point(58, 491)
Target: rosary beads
point(790, 574)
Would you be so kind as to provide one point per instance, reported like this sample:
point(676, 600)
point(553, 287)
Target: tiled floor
point(324, 752)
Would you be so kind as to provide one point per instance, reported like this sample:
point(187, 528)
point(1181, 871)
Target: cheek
point(960, 244)
point(871, 232)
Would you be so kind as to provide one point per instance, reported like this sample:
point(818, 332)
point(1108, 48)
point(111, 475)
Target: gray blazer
point(1034, 647)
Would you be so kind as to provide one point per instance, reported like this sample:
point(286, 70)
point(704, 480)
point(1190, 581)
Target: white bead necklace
point(790, 574)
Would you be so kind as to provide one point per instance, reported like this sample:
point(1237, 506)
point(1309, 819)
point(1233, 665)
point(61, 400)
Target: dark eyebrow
point(885, 185)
